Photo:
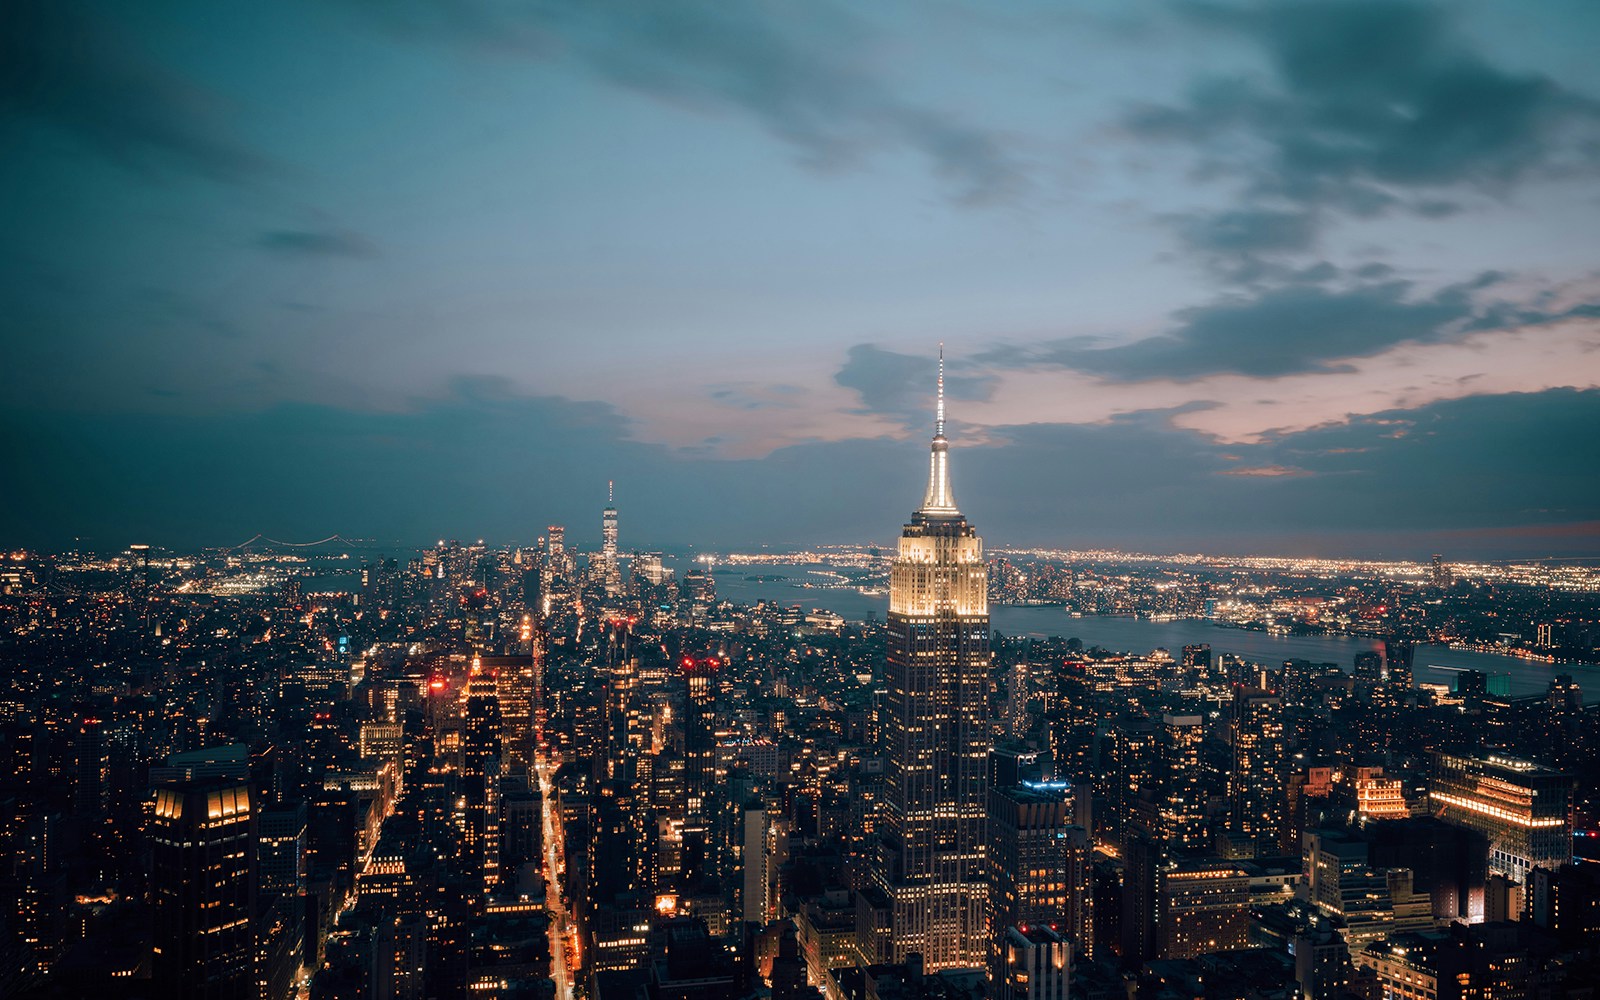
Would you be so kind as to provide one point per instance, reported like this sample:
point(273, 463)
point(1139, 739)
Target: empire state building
point(930, 876)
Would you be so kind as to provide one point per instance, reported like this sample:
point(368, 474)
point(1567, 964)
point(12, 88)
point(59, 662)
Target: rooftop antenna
point(611, 495)
point(938, 421)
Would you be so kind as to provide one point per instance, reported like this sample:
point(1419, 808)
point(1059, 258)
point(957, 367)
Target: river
point(1138, 635)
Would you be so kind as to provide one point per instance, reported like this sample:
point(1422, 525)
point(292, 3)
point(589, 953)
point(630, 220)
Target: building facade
point(931, 865)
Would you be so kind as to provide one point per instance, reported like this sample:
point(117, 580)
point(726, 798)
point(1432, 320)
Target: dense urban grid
point(312, 770)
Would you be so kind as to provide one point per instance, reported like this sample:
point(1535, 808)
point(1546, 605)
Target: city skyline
point(1316, 278)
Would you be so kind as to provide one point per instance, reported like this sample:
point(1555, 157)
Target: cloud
point(903, 385)
point(1368, 106)
point(803, 72)
point(65, 67)
point(1306, 326)
point(317, 243)
point(1236, 243)
point(1502, 473)
point(1268, 471)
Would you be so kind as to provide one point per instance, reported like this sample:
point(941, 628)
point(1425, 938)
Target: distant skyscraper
point(611, 576)
point(202, 885)
point(931, 868)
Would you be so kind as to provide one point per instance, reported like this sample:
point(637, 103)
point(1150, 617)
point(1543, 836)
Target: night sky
point(1304, 277)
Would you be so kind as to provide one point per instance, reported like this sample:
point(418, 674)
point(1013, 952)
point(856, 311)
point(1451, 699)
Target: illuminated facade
point(931, 866)
point(1525, 809)
point(1378, 797)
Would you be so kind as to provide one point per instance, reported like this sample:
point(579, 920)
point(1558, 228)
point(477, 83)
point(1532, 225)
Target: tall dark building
point(699, 742)
point(1256, 785)
point(514, 694)
point(1039, 865)
point(481, 757)
point(202, 885)
point(931, 865)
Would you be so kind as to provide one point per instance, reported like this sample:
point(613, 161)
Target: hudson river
point(1137, 635)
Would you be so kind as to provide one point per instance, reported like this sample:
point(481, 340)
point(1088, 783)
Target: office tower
point(753, 862)
point(1039, 865)
point(93, 777)
point(1525, 809)
point(610, 574)
point(1074, 725)
point(514, 693)
point(202, 886)
point(281, 852)
point(699, 742)
point(1036, 962)
point(1369, 674)
point(1564, 721)
point(481, 757)
point(1256, 784)
point(1397, 663)
point(1197, 657)
point(1181, 812)
point(1134, 759)
point(934, 729)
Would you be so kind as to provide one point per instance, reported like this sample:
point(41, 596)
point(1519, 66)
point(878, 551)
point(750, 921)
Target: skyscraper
point(1256, 784)
point(931, 863)
point(202, 886)
point(482, 754)
point(611, 576)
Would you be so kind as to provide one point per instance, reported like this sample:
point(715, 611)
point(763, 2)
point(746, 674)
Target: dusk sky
point(1302, 277)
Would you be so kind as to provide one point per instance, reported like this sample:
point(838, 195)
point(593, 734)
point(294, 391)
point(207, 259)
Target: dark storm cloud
point(1477, 461)
point(1499, 466)
point(317, 243)
point(904, 385)
point(63, 65)
point(487, 462)
point(1305, 326)
point(1370, 106)
point(803, 72)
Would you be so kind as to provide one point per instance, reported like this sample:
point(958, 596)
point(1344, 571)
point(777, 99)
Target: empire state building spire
point(939, 502)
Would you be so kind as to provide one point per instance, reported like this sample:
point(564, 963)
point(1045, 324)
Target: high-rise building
point(202, 885)
point(481, 757)
point(1525, 809)
point(699, 742)
point(1256, 785)
point(610, 574)
point(1039, 865)
point(514, 694)
point(1181, 810)
point(935, 735)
